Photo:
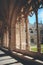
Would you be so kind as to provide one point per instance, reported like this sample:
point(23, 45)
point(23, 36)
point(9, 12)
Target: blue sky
point(40, 17)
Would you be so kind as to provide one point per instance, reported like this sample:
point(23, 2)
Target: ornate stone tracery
point(13, 11)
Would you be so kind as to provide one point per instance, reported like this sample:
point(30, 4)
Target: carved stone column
point(20, 31)
point(38, 44)
point(27, 35)
point(13, 33)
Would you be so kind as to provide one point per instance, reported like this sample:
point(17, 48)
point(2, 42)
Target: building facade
point(33, 33)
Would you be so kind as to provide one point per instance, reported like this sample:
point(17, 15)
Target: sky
point(40, 17)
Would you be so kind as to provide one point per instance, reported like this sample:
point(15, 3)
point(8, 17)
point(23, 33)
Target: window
point(35, 29)
point(41, 32)
point(42, 40)
point(32, 40)
point(31, 31)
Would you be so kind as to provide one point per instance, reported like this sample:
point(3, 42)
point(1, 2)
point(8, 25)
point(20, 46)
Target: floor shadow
point(20, 60)
point(26, 62)
point(11, 63)
point(1, 55)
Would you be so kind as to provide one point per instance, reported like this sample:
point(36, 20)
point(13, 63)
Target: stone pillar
point(5, 38)
point(12, 45)
point(23, 34)
point(13, 33)
point(2, 40)
point(20, 31)
point(27, 35)
point(38, 44)
point(9, 37)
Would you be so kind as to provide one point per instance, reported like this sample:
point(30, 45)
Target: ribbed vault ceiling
point(7, 7)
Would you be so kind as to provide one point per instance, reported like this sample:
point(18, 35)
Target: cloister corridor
point(15, 48)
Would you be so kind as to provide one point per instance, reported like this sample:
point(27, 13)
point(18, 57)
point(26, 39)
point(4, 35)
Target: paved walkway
point(8, 60)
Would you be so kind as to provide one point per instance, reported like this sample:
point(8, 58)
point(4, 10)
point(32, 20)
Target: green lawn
point(34, 48)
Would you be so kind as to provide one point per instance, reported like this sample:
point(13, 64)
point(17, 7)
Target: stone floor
point(8, 60)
